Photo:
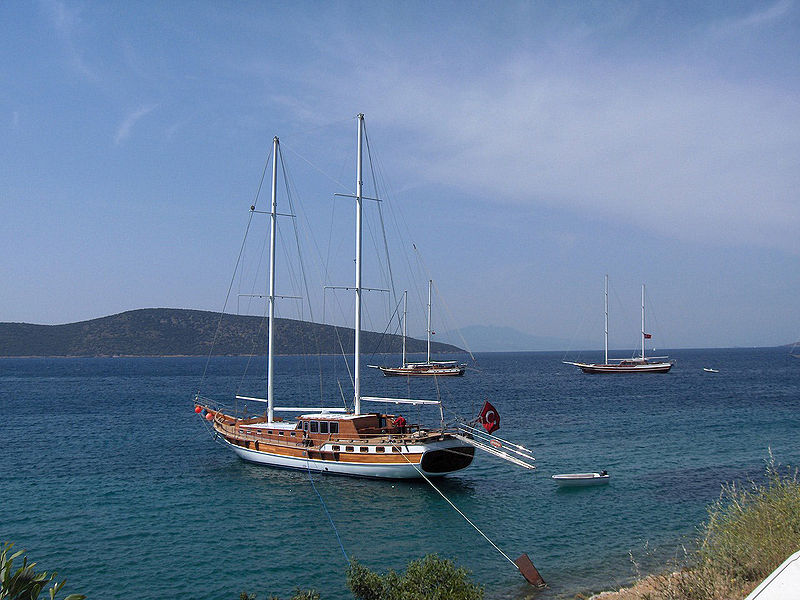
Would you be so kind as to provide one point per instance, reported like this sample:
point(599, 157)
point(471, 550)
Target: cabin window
point(380, 449)
point(269, 432)
point(281, 433)
point(293, 434)
point(383, 422)
point(364, 449)
point(334, 427)
point(349, 449)
point(305, 425)
point(336, 448)
point(395, 449)
point(314, 426)
point(323, 427)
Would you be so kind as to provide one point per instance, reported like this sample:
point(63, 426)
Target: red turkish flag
point(490, 418)
point(647, 336)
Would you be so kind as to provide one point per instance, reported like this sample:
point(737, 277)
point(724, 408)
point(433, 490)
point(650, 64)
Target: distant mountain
point(483, 338)
point(180, 332)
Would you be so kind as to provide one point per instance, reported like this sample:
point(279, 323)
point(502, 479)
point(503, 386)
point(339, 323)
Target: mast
point(642, 321)
point(272, 235)
point(357, 348)
point(405, 311)
point(430, 285)
point(606, 322)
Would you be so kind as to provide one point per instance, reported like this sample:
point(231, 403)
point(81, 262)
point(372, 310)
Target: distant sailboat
point(638, 364)
point(447, 368)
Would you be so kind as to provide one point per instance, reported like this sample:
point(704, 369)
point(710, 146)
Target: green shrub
point(429, 578)
point(24, 583)
point(750, 531)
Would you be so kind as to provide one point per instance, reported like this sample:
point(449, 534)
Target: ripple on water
point(111, 480)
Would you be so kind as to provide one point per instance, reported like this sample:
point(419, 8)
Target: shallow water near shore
point(111, 479)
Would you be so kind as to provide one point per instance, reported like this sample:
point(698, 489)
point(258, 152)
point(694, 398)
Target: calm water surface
point(110, 478)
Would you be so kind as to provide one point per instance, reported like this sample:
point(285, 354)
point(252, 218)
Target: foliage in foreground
point(749, 532)
point(429, 578)
point(297, 595)
point(24, 583)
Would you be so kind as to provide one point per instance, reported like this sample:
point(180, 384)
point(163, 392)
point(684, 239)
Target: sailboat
point(339, 441)
point(448, 368)
point(638, 364)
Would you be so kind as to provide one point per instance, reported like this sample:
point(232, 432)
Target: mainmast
point(643, 330)
point(272, 235)
point(357, 349)
point(606, 322)
point(430, 285)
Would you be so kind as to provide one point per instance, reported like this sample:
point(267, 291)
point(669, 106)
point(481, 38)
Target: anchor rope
point(327, 512)
point(466, 518)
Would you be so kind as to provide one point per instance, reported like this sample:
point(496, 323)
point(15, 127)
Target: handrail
point(404, 439)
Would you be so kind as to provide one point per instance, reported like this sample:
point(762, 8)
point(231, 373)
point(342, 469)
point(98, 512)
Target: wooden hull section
point(384, 453)
point(451, 456)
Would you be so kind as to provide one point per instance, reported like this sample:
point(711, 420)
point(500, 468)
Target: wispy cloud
point(66, 21)
point(124, 130)
point(758, 18)
point(644, 140)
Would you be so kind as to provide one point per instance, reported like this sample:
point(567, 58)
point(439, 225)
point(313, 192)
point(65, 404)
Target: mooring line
point(466, 518)
point(336, 531)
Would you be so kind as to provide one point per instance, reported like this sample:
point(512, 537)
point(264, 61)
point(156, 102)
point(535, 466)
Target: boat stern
point(445, 457)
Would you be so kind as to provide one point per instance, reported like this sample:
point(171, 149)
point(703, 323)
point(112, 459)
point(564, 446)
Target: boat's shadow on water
point(277, 478)
point(584, 489)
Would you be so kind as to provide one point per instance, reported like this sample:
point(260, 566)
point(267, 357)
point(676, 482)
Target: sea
point(110, 478)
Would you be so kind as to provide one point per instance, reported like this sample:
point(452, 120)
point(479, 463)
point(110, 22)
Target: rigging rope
point(380, 215)
point(385, 332)
point(236, 268)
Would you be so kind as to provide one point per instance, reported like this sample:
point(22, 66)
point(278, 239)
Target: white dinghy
point(581, 479)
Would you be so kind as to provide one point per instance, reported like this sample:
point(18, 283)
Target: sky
point(530, 147)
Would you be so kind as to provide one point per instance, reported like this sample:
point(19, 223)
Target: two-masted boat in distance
point(342, 441)
point(637, 364)
point(429, 368)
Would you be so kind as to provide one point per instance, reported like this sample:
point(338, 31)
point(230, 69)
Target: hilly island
point(183, 332)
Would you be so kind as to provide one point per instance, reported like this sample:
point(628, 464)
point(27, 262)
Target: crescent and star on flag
point(489, 417)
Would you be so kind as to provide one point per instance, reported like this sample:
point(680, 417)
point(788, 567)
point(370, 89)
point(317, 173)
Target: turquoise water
point(110, 478)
